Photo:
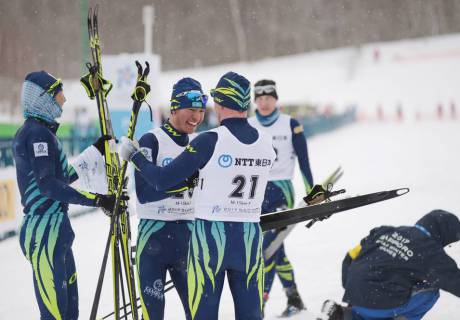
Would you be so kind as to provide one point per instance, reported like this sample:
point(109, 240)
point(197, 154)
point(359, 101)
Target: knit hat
point(186, 94)
point(38, 96)
point(265, 87)
point(233, 91)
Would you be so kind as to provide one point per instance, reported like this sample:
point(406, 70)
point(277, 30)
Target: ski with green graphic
point(119, 238)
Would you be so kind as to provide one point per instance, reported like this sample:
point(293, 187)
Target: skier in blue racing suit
point(44, 176)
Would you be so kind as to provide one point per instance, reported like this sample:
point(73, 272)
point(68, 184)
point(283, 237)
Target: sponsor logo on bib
point(166, 161)
point(225, 160)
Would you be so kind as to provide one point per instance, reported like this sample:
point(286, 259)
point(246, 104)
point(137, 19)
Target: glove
point(316, 195)
point(100, 142)
point(192, 181)
point(128, 148)
point(107, 202)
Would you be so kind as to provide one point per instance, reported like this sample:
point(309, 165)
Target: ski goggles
point(54, 88)
point(194, 96)
point(189, 99)
point(267, 89)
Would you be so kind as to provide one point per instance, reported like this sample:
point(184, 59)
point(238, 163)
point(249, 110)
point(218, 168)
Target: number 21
point(240, 182)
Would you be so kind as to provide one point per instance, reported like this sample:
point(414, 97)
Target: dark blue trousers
point(161, 246)
point(279, 195)
point(278, 264)
point(46, 241)
point(225, 248)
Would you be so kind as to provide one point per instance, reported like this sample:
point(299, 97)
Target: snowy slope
point(418, 74)
point(422, 156)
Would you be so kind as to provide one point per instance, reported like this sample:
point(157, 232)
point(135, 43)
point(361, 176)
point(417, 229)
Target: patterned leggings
point(225, 248)
point(46, 241)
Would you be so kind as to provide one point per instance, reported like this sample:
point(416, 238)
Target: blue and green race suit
point(46, 236)
point(279, 195)
point(161, 245)
point(216, 248)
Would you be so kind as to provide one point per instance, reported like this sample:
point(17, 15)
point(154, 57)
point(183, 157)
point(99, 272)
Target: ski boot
point(331, 311)
point(294, 303)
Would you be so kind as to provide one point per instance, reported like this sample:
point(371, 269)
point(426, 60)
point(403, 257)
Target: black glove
point(100, 142)
point(107, 202)
point(192, 181)
point(316, 195)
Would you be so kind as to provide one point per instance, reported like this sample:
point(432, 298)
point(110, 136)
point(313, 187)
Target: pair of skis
point(119, 237)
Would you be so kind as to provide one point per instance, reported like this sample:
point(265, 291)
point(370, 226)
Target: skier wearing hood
point(397, 272)
point(44, 176)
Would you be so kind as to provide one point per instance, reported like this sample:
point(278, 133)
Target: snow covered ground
point(423, 156)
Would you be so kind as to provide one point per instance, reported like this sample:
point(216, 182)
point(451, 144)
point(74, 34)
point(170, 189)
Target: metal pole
point(83, 35)
point(147, 19)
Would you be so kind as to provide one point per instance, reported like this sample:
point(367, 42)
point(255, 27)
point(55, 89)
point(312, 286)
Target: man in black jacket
point(397, 272)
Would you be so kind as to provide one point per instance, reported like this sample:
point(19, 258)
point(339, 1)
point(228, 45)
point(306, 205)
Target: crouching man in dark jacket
point(397, 272)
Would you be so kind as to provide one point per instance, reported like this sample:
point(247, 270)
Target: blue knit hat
point(38, 96)
point(47, 82)
point(233, 91)
point(187, 94)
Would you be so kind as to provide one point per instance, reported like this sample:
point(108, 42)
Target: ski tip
point(402, 191)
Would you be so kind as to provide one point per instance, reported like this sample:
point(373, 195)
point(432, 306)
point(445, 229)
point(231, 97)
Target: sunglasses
point(53, 89)
point(194, 96)
point(269, 88)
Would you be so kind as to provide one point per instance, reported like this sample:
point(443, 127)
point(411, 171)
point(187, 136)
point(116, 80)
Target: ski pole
point(138, 299)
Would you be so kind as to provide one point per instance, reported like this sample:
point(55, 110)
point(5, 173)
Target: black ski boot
point(294, 303)
point(331, 311)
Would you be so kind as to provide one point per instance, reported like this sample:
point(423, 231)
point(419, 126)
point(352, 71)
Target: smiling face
point(266, 104)
point(187, 120)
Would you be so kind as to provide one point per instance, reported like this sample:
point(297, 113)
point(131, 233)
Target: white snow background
point(422, 156)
